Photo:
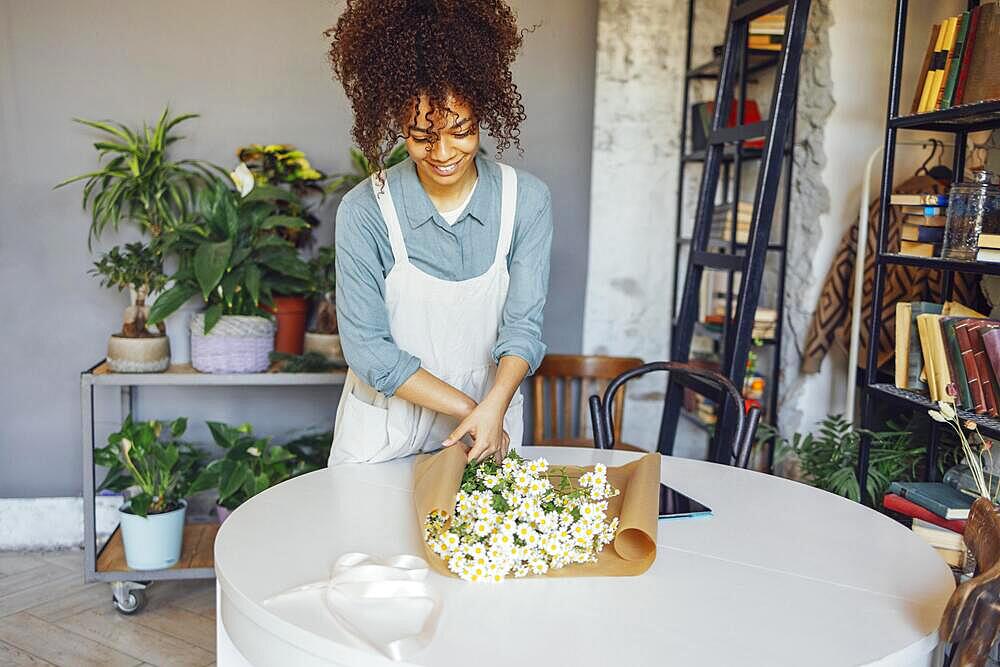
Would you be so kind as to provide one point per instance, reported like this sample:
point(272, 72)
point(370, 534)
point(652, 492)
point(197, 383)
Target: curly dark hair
point(387, 53)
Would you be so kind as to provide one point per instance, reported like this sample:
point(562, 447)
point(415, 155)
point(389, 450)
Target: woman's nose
point(442, 149)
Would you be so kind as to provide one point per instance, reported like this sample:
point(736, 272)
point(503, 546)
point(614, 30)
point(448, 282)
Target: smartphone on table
point(676, 505)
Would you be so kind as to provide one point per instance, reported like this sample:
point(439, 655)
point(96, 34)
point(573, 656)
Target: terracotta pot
point(290, 316)
point(138, 355)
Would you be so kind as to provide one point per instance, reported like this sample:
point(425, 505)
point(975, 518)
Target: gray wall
point(256, 71)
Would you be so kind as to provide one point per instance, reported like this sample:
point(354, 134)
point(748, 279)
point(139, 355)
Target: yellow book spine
point(941, 373)
point(904, 311)
point(933, 82)
point(925, 348)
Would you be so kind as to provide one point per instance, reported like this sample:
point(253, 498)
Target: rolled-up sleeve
point(362, 317)
point(521, 324)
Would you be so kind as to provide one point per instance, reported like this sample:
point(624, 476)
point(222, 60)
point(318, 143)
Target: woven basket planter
point(236, 344)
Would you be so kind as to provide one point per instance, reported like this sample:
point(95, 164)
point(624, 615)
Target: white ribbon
point(359, 577)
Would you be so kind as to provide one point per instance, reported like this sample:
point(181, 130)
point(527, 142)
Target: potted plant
point(157, 472)
point(284, 167)
point(228, 258)
point(137, 182)
point(249, 465)
point(138, 268)
point(322, 336)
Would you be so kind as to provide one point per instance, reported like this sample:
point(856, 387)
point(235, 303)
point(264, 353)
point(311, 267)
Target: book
point(976, 330)
point(945, 41)
point(956, 367)
point(931, 214)
point(949, 58)
point(970, 42)
point(991, 342)
point(969, 362)
point(989, 241)
point(954, 63)
point(926, 326)
point(765, 42)
point(953, 558)
point(937, 62)
point(921, 233)
point(983, 80)
point(937, 497)
point(904, 311)
point(937, 536)
point(919, 249)
point(919, 200)
point(915, 362)
point(988, 255)
point(901, 505)
point(928, 57)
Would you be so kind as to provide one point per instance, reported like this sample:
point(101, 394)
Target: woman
point(442, 259)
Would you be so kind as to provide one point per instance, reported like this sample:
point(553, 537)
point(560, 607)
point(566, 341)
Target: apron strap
point(508, 207)
point(391, 218)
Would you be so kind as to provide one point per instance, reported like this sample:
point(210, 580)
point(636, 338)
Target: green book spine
point(937, 497)
point(915, 365)
point(956, 62)
point(959, 377)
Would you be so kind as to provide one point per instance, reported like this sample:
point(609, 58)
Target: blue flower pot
point(153, 542)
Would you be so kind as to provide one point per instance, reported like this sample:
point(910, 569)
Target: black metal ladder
point(750, 263)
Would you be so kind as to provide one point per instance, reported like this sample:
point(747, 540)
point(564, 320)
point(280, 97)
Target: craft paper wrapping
point(436, 481)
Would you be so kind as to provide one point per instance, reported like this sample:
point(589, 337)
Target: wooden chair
point(606, 432)
point(970, 626)
point(579, 376)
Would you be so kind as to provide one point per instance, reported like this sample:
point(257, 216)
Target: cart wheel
point(133, 603)
point(128, 597)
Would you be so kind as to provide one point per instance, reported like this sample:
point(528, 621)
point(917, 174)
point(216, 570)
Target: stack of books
point(989, 248)
point(767, 32)
point(722, 221)
point(959, 64)
point(924, 217)
point(765, 322)
point(939, 513)
point(951, 353)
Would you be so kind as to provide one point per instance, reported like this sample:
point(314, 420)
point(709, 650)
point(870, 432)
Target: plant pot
point(326, 344)
point(222, 512)
point(153, 542)
point(138, 355)
point(290, 314)
point(236, 344)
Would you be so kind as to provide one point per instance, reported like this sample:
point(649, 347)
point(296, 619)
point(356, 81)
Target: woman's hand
point(485, 425)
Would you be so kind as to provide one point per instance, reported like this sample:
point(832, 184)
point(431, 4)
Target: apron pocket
point(364, 432)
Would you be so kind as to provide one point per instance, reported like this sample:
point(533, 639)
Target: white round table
point(781, 574)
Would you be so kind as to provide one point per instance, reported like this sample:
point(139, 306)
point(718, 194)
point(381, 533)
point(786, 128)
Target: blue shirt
point(450, 252)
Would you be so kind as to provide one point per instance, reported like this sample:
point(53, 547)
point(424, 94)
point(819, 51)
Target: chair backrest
point(573, 378)
point(971, 620)
point(603, 419)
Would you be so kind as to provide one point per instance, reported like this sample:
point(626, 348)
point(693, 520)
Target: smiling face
point(443, 147)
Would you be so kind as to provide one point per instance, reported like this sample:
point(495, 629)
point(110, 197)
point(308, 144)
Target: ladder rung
point(719, 261)
point(728, 135)
point(697, 385)
point(751, 9)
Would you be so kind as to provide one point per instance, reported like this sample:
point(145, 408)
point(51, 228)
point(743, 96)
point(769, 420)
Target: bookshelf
point(734, 159)
point(959, 121)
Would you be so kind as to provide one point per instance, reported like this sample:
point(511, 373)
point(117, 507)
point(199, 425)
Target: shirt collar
point(419, 208)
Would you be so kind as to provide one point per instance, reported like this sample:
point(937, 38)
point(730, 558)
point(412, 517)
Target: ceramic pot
point(153, 542)
point(138, 355)
point(290, 316)
point(326, 344)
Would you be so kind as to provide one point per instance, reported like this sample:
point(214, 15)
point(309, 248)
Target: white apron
point(451, 326)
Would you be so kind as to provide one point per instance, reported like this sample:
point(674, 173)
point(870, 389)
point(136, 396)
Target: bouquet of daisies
point(522, 517)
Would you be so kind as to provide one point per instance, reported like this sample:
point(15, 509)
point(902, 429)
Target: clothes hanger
point(939, 171)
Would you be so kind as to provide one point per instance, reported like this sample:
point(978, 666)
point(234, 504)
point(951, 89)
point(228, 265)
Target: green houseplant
point(342, 183)
point(323, 336)
point(157, 471)
point(230, 258)
point(138, 268)
point(250, 465)
point(139, 183)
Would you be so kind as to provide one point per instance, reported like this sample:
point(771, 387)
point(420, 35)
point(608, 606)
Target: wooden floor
point(48, 616)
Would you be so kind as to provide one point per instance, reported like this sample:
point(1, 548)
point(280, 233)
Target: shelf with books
point(940, 264)
point(989, 426)
point(965, 118)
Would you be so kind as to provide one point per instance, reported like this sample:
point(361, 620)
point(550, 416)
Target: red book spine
point(986, 378)
point(903, 506)
point(963, 72)
point(969, 361)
